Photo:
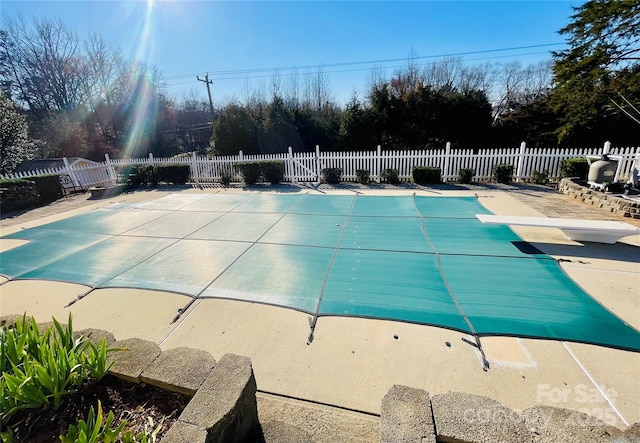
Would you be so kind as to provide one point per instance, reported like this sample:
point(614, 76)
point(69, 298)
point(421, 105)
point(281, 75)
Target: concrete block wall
point(411, 415)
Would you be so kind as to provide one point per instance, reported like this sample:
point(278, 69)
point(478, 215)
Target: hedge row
point(253, 172)
point(137, 175)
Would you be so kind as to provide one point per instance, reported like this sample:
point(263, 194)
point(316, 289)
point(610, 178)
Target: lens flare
point(142, 109)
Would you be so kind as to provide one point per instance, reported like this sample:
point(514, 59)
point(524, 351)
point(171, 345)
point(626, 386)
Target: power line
point(368, 62)
point(278, 74)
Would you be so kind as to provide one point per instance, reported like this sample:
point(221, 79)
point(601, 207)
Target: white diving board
point(598, 231)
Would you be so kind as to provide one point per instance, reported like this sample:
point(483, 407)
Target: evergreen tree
point(15, 144)
point(592, 75)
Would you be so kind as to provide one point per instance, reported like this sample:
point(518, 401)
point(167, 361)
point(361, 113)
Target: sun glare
point(141, 84)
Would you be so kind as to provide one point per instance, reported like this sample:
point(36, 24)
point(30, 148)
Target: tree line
point(63, 96)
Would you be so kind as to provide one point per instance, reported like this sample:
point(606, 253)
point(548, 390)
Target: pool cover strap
point(478, 345)
point(314, 319)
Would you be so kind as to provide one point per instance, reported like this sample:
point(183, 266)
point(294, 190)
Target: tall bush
point(332, 175)
point(503, 173)
point(466, 175)
point(575, 167)
point(363, 176)
point(251, 172)
point(48, 186)
point(273, 171)
point(176, 174)
point(390, 176)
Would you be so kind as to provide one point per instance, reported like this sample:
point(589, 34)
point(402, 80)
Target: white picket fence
point(308, 166)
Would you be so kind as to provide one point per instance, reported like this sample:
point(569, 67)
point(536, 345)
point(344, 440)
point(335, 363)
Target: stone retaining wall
point(410, 415)
point(18, 196)
point(599, 199)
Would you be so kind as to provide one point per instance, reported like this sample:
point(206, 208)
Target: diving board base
point(596, 231)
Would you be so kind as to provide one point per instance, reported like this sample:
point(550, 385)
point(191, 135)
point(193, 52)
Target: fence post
point(111, 171)
point(523, 148)
point(72, 174)
point(240, 155)
point(291, 170)
point(317, 164)
point(378, 160)
point(151, 158)
point(194, 168)
point(445, 168)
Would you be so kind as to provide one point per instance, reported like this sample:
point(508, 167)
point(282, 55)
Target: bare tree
point(276, 84)
point(45, 65)
point(321, 88)
point(518, 86)
point(292, 97)
point(407, 79)
point(376, 77)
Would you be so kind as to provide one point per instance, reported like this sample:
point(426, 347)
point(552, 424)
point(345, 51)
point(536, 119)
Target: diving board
point(598, 231)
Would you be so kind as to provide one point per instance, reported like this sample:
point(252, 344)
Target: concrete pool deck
point(353, 362)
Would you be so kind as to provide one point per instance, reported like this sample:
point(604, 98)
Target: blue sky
point(189, 38)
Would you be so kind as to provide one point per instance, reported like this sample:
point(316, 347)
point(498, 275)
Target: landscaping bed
point(145, 408)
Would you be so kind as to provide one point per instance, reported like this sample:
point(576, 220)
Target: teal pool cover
point(424, 260)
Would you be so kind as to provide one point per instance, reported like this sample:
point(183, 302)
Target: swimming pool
point(424, 260)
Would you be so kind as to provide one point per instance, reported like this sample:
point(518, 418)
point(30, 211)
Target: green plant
point(149, 435)
point(129, 176)
point(226, 174)
point(273, 171)
point(95, 429)
point(390, 176)
point(502, 173)
point(48, 187)
point(40, 368)
point(363, 176)
point(540, 178)
point(332, 175)
point(575, 167)
point(423, 175)
point(251, 172)
point(177, 174)
point(465, 175)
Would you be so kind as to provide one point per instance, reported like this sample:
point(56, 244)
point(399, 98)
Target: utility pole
point(207, 82)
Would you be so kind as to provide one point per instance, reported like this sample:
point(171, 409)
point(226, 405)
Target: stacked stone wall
point(609, 203)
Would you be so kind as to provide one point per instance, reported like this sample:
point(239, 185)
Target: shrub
point(251, 172)
point(332, 175)
point(226, 174)
point(575, 167)
point(390, 176)
point(363, 176)
point(273, 171)
point(424, 175)
point(176, 174)
point(466, 175)
point(148, 175)
point(540, 178)
point(48, 187)
point(502, 173)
